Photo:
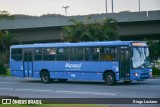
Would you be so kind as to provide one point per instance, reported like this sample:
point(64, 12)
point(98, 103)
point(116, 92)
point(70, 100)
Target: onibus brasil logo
point(21, 101)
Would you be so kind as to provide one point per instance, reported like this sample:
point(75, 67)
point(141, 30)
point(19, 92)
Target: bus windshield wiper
point(138, 50)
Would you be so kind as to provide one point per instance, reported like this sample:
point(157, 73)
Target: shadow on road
point(119, 83)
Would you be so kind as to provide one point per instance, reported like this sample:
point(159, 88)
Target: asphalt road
point(33, 88)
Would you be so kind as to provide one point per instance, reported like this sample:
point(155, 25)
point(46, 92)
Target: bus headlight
point(150, 74)
point(136, 74)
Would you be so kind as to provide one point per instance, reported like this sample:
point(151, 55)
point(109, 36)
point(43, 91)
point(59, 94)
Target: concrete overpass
point(133, 26)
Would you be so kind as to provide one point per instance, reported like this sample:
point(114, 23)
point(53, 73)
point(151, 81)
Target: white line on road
point(149, 86)
point(34, 90)
point(73, 92)
point(76, 92)
point(6, 88)
point(153, 86)
point(7, 82)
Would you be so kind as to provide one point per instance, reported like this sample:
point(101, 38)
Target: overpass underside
point(140, 30)
point(128, 31)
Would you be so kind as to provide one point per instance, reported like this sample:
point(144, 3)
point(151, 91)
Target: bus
point(110, 61)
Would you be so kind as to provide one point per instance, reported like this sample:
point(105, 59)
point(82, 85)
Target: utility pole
point(112, 6)
point(139, 5)
point(65, 7)
point(106, 6)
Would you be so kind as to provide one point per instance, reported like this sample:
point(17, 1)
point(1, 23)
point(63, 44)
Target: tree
point(91, 31)
point(5, 15)
point(154, 49)
point(6, 39)
point(72, 33)
point(110, 29)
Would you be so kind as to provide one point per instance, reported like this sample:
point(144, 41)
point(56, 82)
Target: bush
point(3, 69)
point(155, 71)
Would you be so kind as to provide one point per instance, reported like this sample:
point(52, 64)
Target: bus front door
point(124, 65)
point(28, 64)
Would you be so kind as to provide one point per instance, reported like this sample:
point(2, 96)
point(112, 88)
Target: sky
point(76, 7)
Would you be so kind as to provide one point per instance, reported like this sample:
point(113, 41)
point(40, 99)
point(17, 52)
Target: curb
point(155, 77)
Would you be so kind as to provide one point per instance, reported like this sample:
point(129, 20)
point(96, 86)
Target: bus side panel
point(55, 68)
point(87, 70)
point(82, 71)
point(113, 66)
point(75, 70)
point(36, 74)
point(16, 68)
point(39, 65)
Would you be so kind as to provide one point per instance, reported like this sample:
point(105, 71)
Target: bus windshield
point(140, 57)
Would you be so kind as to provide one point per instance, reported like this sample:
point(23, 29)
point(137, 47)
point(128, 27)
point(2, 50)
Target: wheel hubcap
point(109, 79)
point(45, 77)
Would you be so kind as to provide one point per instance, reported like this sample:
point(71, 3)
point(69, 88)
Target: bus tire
point(45, 77)
point(110, 79)
point(127, 82)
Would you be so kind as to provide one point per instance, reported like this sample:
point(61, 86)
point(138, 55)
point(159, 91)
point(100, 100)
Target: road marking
point(6, 88)
point(16, 89)
point(73, 92)
point(76, 92)
point(7, 82)
point(153, 86)
point(33, 90)
point(149, 86)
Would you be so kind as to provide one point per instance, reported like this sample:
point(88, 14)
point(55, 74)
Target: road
point(33, 88)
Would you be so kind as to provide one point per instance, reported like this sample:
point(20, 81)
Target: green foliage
point(155, 71)
point(5, 15)
point(154, 49)
point(90, 31)
point(6, 40)
point(3, 69)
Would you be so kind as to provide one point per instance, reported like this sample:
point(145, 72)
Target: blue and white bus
point(109, 61)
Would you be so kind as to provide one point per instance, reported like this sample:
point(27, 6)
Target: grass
point(57, 105)
point(156, 76)
point(7, 74)
point(157, 63)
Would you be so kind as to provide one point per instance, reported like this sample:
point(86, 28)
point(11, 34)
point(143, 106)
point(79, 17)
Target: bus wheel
point(127, 82)
point(62, 80)
point(45, 77)
point(110, 79)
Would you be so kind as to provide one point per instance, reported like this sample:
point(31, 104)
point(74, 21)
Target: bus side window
point(16, 54)
point(73, 54)
point(76, 53)
point(92, 53)
point(38, 54)
point(49, 54)
point(80, 52)
point(108, 53)
point(62, 54)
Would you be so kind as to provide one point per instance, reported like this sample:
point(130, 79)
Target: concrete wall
point(135, 25)
point(40, 34)
point(145, 28)
point(36, 22)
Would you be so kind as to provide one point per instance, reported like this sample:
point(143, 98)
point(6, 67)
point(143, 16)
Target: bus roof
point(67, 44)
